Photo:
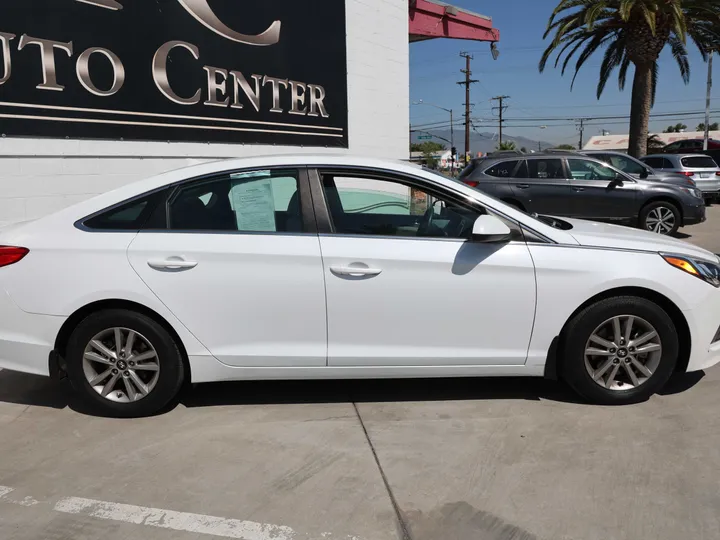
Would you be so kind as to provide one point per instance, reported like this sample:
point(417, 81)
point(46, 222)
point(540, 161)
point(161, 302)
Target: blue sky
point(435, 68)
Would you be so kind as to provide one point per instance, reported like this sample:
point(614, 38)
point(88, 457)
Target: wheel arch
point(554, 359)
point(666, 199)
point(57, 359)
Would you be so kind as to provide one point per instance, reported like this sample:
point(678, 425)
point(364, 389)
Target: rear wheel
point(660, 217)
point(124, 363)
point(620, 350)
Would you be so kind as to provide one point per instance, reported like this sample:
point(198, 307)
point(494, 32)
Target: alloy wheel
point(660, 220)
point(623, 353)
point(121, 365)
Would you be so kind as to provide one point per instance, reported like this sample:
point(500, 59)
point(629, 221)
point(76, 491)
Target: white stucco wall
point(39, 176)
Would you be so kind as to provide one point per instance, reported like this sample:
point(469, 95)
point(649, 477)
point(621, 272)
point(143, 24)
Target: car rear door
point(600, 192)
point(406, 286)
point(238, 262)
point(541, 185)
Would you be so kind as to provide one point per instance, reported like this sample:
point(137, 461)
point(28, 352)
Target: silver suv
point(701, 168)
point(636, 168)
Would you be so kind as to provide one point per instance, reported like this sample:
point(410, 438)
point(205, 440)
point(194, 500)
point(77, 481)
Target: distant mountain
point(482, 142)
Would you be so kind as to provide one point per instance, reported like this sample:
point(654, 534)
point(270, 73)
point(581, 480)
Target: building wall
point(40, 176)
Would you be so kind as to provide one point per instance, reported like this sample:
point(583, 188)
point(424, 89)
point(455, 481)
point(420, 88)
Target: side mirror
point(490, 229)
point(618, 181)
point(645, 173)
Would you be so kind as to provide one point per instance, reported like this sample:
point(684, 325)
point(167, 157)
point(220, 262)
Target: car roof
point(677, 155)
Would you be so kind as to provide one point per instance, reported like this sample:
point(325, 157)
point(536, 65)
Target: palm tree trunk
point(640, 110)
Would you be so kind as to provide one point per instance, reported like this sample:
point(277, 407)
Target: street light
point(452, 132)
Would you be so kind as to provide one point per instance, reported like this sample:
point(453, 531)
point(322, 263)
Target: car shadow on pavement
point(376, 390)
point(23, 389)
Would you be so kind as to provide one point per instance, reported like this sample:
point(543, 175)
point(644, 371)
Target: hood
point(591, 233)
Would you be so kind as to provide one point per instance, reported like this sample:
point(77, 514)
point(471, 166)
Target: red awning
point(431, 19)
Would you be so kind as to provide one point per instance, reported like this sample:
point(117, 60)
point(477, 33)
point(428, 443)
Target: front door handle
point(522, 186)
point(355, 271)
point(578, 189)
point(171, 264)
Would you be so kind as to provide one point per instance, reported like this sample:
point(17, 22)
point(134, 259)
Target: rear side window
point(503, 169)
point(625, 164)
point(699, 162)
point(545, 169)
point(130, 216)
point(256, 201)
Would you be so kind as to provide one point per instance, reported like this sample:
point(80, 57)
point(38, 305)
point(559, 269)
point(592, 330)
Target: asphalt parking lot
point(491, 459)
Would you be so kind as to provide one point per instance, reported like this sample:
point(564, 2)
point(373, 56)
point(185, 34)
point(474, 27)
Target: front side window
point(503, 169)
point(626, 164)
point(654, 162)
point(582, 169)
point(256, 201)
point(673, 147)
point(379, 207)
point(546, 169)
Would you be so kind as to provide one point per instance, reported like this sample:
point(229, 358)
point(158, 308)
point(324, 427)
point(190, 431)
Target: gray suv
point(574, 185)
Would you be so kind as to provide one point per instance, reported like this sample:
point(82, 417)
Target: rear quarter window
point(503, 169)
point(699, 162)
point(129, 216)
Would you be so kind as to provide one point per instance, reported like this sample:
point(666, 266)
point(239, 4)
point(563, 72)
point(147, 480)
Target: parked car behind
point(690, 146)
point(573, 185)
point(637, 169)
point(701, 168)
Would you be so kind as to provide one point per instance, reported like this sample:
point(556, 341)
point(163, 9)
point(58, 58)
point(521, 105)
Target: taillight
point(11, 254)
point(717, 173)
point(471, 183)
point(688, 173)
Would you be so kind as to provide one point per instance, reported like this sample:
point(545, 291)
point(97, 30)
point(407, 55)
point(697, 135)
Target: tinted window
point(699, 162)
point(545, 168)
point(654, 162)
point(673, 147)
point(522, 171)
point(130, 216)
point(502, 170)
point(667, 164)
point(582, 169)
point(368, 206)
point(626, 164)
point(257, 201)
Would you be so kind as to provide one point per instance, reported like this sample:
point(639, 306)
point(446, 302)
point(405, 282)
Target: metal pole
point(707, 103)
point(501, 120)
point(452, 145)
point(467, 107)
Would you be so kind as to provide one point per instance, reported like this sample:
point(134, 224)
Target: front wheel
point(124, 364)
point(620, 350)
point(660, 217)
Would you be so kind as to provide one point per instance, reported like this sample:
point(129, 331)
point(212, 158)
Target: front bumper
point(704, 320)
point(694, 214)
point(26, 340)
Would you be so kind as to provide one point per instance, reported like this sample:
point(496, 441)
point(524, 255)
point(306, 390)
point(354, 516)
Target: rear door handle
point(522, 186)
point(354, 271)
point(171, 264)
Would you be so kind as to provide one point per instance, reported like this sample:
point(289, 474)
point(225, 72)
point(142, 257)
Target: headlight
point(692, 191)
point(705, 270)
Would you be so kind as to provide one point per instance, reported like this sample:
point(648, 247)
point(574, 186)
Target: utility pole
point(467, 82)
point(581, 129)
point(707, 102)
point(500, 109)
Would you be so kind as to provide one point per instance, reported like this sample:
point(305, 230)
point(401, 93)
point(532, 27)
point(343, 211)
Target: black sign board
point(232, 71)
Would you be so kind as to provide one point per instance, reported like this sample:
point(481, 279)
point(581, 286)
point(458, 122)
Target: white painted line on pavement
point(177, 521)
point(169, 519)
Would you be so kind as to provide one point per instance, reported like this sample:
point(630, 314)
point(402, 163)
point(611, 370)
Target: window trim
point(324, 218)
point(307, 209)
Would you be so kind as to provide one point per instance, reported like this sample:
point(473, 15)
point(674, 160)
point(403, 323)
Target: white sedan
point(338, 267)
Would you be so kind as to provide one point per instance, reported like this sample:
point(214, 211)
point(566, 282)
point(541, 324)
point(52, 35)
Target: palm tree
point(654, 143)
point(677, 128)
point(506, 145)
point(713, 127)
point(632, 32)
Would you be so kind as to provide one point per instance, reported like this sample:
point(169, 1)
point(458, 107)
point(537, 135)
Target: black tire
point(582, 326)
point(660, 206)
point(171, 370)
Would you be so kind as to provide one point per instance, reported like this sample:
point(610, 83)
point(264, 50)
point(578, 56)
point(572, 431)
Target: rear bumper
point(26, 340)
point(694, 214)
point(710, 186)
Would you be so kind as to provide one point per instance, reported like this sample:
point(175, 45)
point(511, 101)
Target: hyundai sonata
point(338, 267)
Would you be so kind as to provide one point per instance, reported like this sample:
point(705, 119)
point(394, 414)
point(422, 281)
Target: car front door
point(238, 263)
point(405, 284)
point(601, 193)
